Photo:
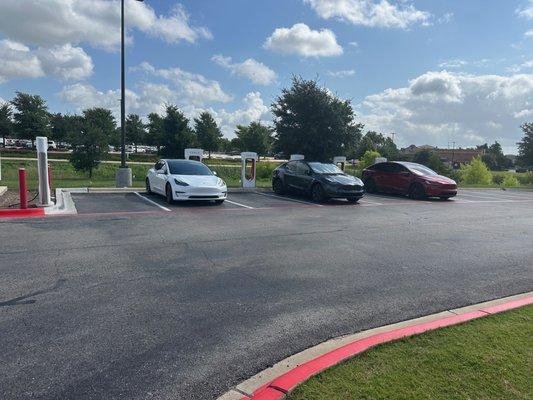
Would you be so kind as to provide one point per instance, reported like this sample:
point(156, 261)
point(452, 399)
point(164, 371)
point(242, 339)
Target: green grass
point(488, 358)
point(64, 175)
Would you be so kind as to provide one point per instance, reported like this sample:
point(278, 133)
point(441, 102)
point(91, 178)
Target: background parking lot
point(134, 298)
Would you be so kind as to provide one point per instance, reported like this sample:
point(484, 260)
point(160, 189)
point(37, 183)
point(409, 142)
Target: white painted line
point(484, 196)
point(375, 203)
point(288, 199)
point(152, 202)
point(239, 204)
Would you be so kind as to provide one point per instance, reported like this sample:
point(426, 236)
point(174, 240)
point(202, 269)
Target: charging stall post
point(248, 170)
point(42, 169)
point(194, 154)
point(340, 161)
point(296, 157)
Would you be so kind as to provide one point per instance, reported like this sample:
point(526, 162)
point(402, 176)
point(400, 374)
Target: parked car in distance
point(415, 180)
point(181, 180)
point(52, 145)
point(521, 169)
point(319, 180)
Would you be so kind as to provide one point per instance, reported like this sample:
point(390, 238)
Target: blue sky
point(431, 71)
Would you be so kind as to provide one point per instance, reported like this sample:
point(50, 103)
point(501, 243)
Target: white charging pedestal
point(340, 161)
point(194, 154)
point(42, 169)
point(248, 160)
point(380, 160)
point(296, 157)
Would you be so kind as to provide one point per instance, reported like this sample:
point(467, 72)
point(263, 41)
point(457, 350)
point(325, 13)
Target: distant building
point(448, 156)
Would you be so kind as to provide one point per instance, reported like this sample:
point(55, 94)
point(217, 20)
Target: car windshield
point(421, 170)
point(321, 168)
point(188, 168)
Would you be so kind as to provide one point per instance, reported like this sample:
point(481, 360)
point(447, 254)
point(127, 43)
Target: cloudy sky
point(432, 71)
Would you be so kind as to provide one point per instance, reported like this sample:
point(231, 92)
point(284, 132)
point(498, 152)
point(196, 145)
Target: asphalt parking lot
point(136, 299)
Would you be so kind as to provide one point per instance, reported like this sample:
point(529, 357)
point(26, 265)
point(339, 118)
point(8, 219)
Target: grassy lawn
point(63, 175)
point(488, 358)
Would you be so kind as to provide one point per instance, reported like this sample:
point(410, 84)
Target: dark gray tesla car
point(318, 180)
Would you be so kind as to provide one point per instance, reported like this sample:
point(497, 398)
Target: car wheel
point(353, 199)
point(168, 194)
point(317, 193)
point(277, 186)
point(148, 188)
point(370, 185)
point(416, 191)
point(219, 202)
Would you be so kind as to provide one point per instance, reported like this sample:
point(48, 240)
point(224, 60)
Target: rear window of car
point(188, 168)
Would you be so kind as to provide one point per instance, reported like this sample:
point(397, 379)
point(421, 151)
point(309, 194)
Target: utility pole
point(453, 153)
point(124, 175)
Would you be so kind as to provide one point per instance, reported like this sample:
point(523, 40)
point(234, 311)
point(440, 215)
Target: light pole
point(124, 175)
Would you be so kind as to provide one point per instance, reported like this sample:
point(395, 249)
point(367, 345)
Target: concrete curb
point(275, 382)
point(64, 204)
point(21, 213)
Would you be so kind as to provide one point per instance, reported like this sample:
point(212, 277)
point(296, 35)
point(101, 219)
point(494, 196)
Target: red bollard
point(23, 189)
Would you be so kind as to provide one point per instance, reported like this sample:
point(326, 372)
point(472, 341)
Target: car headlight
point(220, 182)
point(180, 183)
point(431, 183)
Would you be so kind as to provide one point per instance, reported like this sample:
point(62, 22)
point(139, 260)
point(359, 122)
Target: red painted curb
point(21, 213)
point(280, 386)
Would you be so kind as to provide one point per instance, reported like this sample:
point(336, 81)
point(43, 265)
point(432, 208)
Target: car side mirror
point(309, 172)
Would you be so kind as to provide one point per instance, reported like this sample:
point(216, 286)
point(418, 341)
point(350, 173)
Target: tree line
point(308, 119)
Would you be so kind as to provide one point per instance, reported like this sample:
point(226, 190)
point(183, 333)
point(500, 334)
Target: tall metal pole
point(122, 94)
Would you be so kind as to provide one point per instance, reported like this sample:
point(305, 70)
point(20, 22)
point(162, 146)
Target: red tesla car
point(415, 180)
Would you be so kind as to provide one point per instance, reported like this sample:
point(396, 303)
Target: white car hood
point(197, 180)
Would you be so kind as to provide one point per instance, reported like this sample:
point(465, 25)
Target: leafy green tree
point(91, 139)
point(378, 142)
point(255, 137)
point(6, 122)
point(476, 173)
point(525, 146)
point(31, 118)
point(155, 124)
point(310, 120)
point(431, 160)
point(367, 159)
point(494, 157)
point(177, 135)
point(135, 130)
point(63, 126)
point(207, 132)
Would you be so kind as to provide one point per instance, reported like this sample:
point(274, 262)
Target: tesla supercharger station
point(194, 154)
point(42, 169)
point(340, 161)
point(380, 160)
point(296, 157)
point(249, 160)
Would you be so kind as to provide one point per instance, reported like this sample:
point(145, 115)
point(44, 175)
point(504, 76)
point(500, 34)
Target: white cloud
point(520, 67)
point(194, 88)
point(529, 33)
point(458, 63)
point(301, 40)
point(84, 96)
point(440, 106)
point(64, 62)
point(382, 13)
point(354, 44)
point(255, 71)
point(97, 22)
point(342, 73)
point(527, 11)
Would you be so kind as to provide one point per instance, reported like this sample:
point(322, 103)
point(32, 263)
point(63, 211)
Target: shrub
point(497, 179)
point(509, 180)
point(476, 173)
point(526, 179)
point(368, 159)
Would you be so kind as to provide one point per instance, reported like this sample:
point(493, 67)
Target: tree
point(176, 135)
point(208, 133)
point(62, 126)
point(310, 120)
point(154, 136)
point(255, 137)
point(6, 122)
point(91, 138)
point(31, 117)
point(494, 157)
point(476, 173)
point(135, 130)
point(368, 159)
point(525, 146)
point(377, 142)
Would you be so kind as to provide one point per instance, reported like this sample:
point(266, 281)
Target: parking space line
point(484, 196)
point(500, 195)
point(371, 203)
point(152, 202)
point(288, 199)
point(240, 205)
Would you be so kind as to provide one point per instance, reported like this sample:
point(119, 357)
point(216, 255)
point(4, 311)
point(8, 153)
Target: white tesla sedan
point(185, 180)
